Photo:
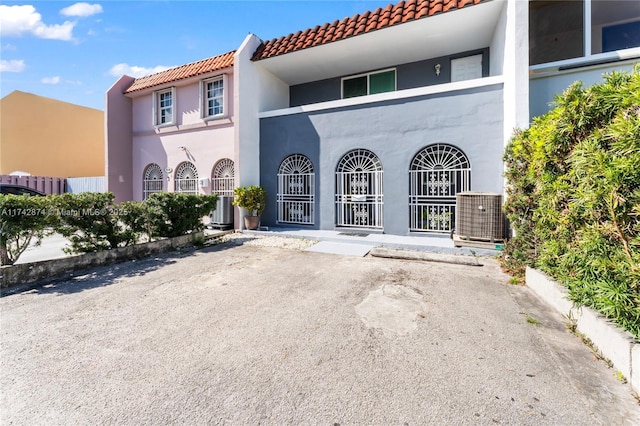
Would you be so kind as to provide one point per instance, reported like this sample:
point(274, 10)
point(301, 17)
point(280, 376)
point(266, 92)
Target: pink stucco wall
point(118, 129)
point(205, 142)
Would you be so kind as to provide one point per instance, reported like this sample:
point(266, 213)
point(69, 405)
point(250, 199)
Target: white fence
point(86, 184)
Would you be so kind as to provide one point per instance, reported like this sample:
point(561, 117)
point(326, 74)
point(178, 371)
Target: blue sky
point(74, 51)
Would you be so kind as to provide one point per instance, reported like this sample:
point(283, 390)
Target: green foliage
point(22, 218)
point(253, 198)
point(135, 216)
point(172, 214)
point(91, 222)
point(574, 196)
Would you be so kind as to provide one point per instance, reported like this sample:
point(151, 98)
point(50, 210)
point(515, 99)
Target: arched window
point(437, 173)
point(187, 178)
point(359, 196)
point(222, 178)
point(296, 190)
point(152, 180)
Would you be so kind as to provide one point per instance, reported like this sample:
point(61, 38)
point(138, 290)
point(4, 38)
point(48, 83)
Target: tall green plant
point(574, 196)
point(253, 198)
point(23, 219)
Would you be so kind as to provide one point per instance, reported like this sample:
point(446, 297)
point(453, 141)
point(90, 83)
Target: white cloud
point(56, 32)
point(135, 71)
point(82, 10)
point(50, 80)
point(7, 46)
point(13, 65)
point(20, 20)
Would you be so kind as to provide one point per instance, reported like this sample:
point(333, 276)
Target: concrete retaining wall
point(28, 273)
point(613, 342)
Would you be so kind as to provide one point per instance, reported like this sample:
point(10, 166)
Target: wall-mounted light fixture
point(437, 68)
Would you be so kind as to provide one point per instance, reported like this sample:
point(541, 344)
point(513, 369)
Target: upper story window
point(163, 107)
point(466, 68)
point(566, 29)
point(369, 84)
point(214, 101)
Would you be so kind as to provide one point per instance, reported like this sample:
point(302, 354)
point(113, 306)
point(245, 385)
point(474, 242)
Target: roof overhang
point(179, 83)
point(456, 31)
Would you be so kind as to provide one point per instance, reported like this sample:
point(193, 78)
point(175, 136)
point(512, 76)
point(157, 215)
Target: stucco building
point(47, 137)
point(375, 122)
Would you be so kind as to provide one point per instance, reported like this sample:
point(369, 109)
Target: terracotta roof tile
point(184, 71)
point(401, 12)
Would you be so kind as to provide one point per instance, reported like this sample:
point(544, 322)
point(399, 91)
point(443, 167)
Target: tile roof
point(183, 71)
point(399, 13)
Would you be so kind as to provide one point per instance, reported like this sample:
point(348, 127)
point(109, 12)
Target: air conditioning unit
point(203, 183)
point(479, 218)
point(222, 216)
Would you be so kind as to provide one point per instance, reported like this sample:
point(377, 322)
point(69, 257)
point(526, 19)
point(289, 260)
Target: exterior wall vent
point(479, 218)
point(203, 182)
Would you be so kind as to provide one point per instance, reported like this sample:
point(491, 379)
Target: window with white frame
point(214, 101)
point(163, 107)
point(569, 29)
point(369, 83)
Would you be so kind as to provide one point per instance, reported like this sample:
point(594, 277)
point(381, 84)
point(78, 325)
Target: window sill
point(216, 118)
point(171, 128)
point(164, 125)
point(598, 59)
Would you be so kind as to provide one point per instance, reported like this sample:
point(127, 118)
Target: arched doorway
point(437, 173)
point(296, 190)
point(359, 195)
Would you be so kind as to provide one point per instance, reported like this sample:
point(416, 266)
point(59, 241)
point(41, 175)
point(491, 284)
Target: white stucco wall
point(259, 91)
point(516, 67)
point(496, 49)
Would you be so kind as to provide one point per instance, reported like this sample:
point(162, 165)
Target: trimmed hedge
point(172, 214)
point(574, 196)
point(93, 222)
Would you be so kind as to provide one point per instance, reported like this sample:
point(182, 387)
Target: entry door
point(437, 174)
point(359, 195)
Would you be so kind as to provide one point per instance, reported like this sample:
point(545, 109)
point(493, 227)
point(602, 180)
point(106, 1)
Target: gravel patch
point(239, 238)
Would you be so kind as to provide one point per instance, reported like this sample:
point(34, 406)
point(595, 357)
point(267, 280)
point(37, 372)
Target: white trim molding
point(387, 96)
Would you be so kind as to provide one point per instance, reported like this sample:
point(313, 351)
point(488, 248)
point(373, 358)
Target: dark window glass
point(382, 82)
point(354, 87)
point(556, 31)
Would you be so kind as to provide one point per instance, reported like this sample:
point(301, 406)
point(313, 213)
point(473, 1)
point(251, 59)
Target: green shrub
point(172, 214)
point(93, 222)
point(135, 216)
point(574, 196)
point(23, 218)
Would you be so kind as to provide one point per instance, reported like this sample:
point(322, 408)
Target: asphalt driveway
point(263, 335)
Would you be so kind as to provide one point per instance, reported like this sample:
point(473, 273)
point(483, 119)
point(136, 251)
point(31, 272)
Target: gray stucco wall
point(544, 89)
point(408, 76)
point(395, 131)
